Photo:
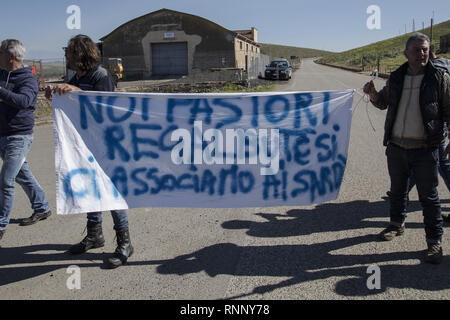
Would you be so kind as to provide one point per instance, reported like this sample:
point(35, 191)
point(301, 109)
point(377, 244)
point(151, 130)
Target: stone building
point(167, 42)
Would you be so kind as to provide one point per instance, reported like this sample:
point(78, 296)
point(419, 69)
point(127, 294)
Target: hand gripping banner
point(128, 150)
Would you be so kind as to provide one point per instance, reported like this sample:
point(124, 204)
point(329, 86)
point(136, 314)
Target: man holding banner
point(417, 98)
point(83, 56)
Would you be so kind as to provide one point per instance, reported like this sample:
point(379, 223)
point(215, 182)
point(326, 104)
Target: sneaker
point(434, 253)
point(446, 217)
point(35, 218)
point(391, 232)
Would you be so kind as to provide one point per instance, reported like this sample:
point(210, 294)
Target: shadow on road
point(327, 217)
point(308, 262)
point(39, 254)
point(301, 263)
point(305, 263)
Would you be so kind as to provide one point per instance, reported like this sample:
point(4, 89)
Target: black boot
point(94, 239)
point(123, 251)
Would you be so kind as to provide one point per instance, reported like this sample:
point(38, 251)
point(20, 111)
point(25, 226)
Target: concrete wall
point(258, 66)
point(225, 75)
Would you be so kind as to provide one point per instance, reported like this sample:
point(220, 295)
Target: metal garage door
point(169, 58)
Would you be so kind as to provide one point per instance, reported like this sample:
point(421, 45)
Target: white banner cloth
point(128, 150)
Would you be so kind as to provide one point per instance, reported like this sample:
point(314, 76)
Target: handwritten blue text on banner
point(123, 150)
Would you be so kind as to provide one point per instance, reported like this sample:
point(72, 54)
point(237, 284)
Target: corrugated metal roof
point(245, 37)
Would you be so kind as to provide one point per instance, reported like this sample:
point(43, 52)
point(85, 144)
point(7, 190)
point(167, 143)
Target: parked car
point(279, 69)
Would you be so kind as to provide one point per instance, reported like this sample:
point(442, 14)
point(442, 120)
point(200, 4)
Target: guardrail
point(380, 75)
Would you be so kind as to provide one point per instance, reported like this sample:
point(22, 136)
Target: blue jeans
point(423, 163)
point(13, 151)
point(120, 218)
point(444, 169)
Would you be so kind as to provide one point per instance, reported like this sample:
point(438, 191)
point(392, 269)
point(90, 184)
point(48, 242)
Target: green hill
point(390, 51)
point(279, 51)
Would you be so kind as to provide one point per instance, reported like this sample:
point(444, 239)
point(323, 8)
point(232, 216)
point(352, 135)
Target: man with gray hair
point(18, 96)
point(417, 99)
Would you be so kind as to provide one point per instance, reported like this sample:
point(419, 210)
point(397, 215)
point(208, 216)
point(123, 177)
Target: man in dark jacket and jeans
point(417, 98)
point(18, 95)
point(444, 164)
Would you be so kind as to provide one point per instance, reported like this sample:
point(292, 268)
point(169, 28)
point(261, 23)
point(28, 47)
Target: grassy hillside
point(279, 51)
point(52, 69)
point(390, 51)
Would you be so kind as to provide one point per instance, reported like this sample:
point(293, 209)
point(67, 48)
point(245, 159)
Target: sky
point(319, 24)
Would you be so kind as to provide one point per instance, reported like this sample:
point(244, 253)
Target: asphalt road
point(316, 252)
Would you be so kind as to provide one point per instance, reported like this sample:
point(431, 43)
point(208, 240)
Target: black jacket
point(431, 102)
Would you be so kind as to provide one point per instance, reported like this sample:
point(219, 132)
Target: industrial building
point(167, 42)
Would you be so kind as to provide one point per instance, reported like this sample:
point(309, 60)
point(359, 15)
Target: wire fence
point(48, 70)
point(257, 66)
point(54, 70)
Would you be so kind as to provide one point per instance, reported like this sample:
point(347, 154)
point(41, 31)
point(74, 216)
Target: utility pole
point(431, 30)
point(378, 65)
point(414, 26)
point(42, 80)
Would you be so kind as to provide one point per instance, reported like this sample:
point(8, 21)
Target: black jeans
point(423, 163)
point(444, 168)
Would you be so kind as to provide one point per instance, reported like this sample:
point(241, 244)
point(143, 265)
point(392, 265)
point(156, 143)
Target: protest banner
point(128, 150)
